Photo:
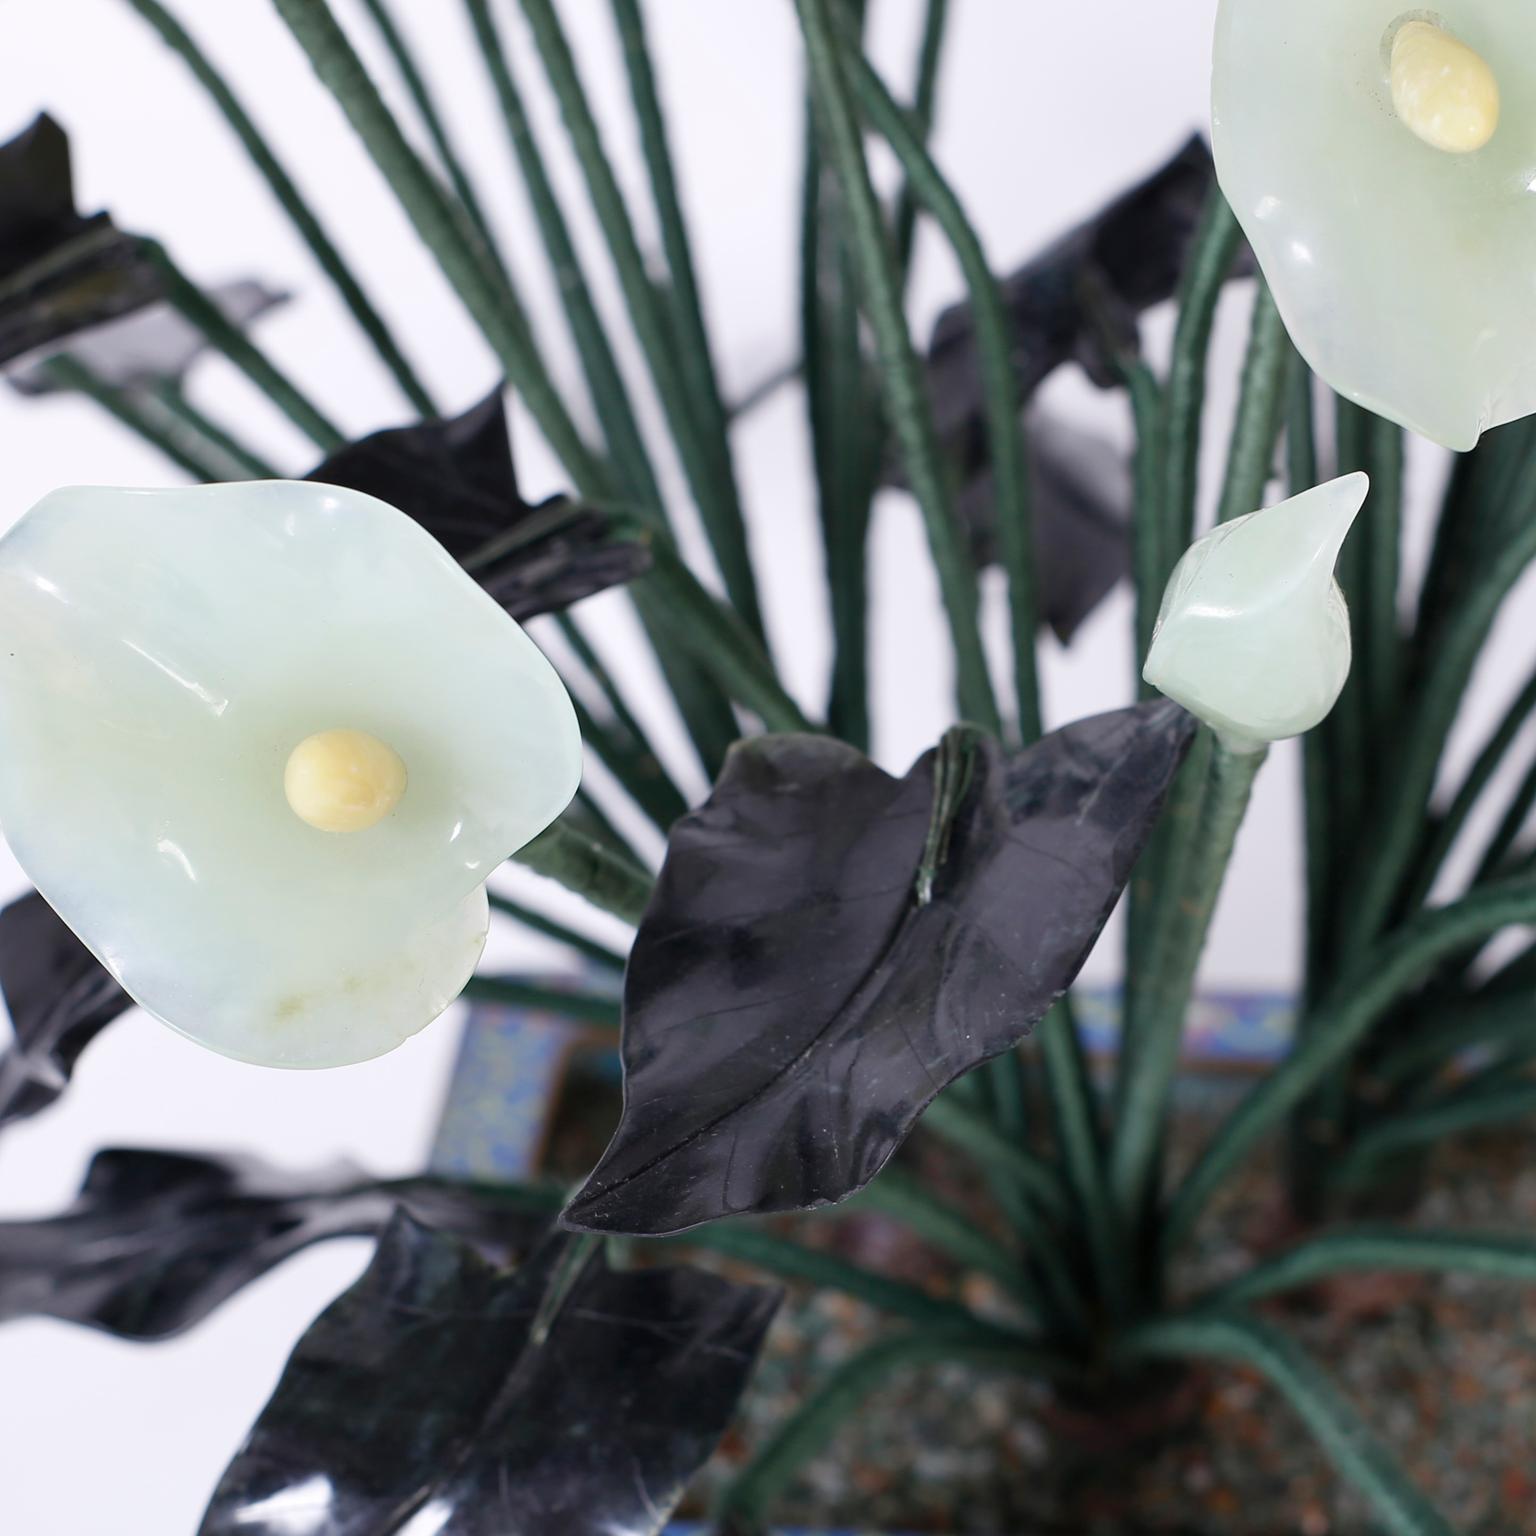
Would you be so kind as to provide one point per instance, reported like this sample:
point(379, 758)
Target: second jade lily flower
point(1382, 161)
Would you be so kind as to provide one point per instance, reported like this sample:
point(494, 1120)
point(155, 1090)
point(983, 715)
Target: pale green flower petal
point(163, 652)
point(1253, 634)
point(1403, 272)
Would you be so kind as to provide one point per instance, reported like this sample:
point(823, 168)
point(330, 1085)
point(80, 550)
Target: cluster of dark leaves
point(828, 947)
point(444, 1377)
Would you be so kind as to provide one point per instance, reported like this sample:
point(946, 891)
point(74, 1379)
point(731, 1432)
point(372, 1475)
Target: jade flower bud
point(1382, 161)
point(1253, 634)
point(263, 745)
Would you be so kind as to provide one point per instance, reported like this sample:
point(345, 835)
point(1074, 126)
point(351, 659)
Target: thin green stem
point(599, 954)
point(720, 640)
point(896, 1194)
point(708, 472)
point(1501, 1103)
point(745, 1505)
point(1395, 821)
point(224, 336)
point(924, 100)
point(847, 434)
point(792, 1261)
point(1256, 432)
point(1074, 1116)
point(688, 309)
point(1173, 957)
point(442, 231)
point(1490, 1021)
point(584, 866)
point(68, 372)
point(1150, 561)
point(432, 121)
point(705, 711)
point(1378, 1249)
point(171, 395)
point(901, 376)
point(621, 741)
point(292, 202)
point(1010, 472)
point(1379, 977)
point(1236, 1339)
point(1210, 261)
point(971, 1132)
point(1447, 828)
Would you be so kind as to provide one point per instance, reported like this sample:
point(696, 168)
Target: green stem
point(1232, 1338)
point(896, 1194)
point(720, 640)
point(1251, 458)
point(924, 99)
point(1498, 1105)
point(1210, 261)
point(584, 866)
point(1015, 515)
point(1380, 976)
point(1395, 825)
point(825, 1271)
point(1479, 1021)
point(972, 1133)
point(744, 1506)
point(1149, 559)
point(434, 218)
point(171, 395)
point(514, 992)
point(1380, 1249)
point(1173, 957)
point(709, 475)
point(431, 118)
point(610, 396)
point(599, 954)
point(68, 372)
point(224, 336)
point(1447, 828)
point(704, 709)
point(696, 361)
point(292, 201)
point(901, 376)
point(847, 434)
point(621, 741)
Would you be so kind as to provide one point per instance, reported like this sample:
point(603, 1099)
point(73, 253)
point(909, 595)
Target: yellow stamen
point(343, 781)
point(1443, 90)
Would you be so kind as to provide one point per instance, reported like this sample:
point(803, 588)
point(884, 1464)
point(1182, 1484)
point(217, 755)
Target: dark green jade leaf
point(829, 947)
point(456, 478)
point(442, 1395)
point(1082, 511)
point(60, 272)
point(155, 345)
point(59, 997)
point(1078, 300)
point(156, 1241)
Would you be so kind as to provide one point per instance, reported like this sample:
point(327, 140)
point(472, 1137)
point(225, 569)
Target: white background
point(1045, 110)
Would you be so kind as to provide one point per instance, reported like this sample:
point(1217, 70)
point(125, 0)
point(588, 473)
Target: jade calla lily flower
point(1382, 160)
point(1253, 634)
point(263, 745)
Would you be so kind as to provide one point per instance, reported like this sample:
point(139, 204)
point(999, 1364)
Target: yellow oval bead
point(343, 781)
point(1443, 90)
